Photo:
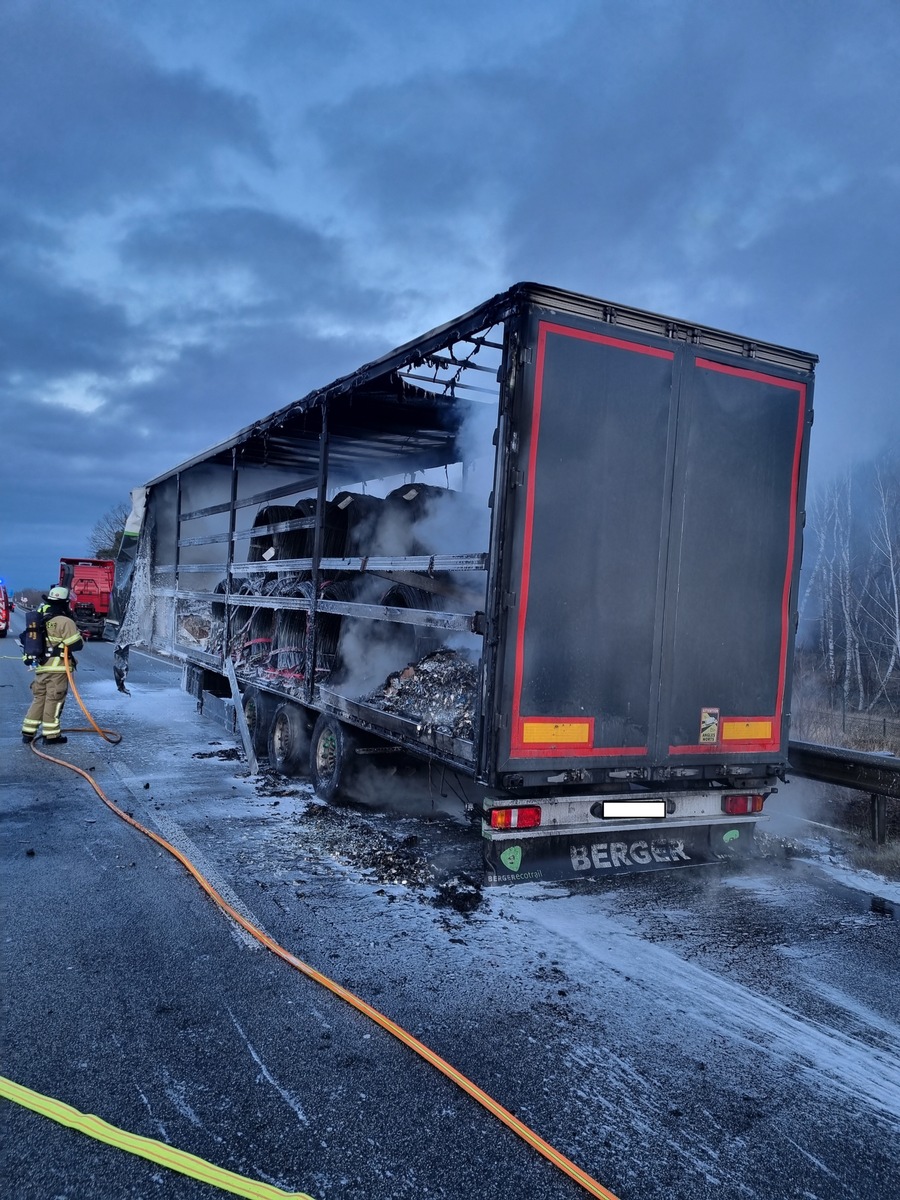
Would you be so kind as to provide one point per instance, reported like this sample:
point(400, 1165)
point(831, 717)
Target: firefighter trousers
point(49, 689)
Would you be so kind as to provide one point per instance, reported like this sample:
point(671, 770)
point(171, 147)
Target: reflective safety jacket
point(61, 631)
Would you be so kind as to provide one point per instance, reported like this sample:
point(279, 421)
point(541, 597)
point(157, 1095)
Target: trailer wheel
point(332, 757)
point(259, 708)
point(289, 740)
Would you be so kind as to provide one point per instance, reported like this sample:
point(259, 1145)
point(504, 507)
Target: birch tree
point(882, 599)
point(854, 586)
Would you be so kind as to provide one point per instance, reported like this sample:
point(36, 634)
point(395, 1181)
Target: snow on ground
point(660, 1014)
point(706, 1001)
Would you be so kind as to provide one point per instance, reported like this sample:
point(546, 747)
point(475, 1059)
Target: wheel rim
point(326, 754)
point(281, 738)
point(251, 717)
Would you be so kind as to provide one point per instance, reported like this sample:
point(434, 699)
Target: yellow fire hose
point(158, 1152)
point(502, 1114)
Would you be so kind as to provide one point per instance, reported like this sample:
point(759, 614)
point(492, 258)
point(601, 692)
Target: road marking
point(288, 1097)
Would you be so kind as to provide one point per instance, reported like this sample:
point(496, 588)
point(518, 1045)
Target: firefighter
point(51, 683)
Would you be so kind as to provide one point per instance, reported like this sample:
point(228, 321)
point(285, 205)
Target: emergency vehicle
point(6, 608)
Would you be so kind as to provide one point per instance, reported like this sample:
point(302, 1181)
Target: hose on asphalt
point(144, 1147)
point(512, 1122)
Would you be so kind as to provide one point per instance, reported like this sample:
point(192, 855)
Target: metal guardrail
point(877, 774)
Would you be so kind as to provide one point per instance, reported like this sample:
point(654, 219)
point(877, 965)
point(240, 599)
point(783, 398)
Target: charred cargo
point(551, 547)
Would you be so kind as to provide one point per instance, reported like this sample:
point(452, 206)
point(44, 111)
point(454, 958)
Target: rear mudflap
point(621, 852)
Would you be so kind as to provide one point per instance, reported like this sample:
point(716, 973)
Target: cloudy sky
point(210, 207)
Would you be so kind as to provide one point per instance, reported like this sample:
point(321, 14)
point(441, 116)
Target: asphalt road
point(690, 1033)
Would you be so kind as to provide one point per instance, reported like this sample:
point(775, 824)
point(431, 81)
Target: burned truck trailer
point(550, 548)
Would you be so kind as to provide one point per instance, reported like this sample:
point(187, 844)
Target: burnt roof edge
point(490, 312)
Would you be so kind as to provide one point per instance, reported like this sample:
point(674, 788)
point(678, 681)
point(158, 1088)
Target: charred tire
point(332, 757)
point(259, 708)
point(289, 740)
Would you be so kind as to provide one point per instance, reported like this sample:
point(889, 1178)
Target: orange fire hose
point(502, 1114)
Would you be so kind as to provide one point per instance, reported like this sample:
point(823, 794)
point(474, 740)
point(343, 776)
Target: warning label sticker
point(709, 725)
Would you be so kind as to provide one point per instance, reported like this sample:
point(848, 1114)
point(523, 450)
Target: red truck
point(90, 584)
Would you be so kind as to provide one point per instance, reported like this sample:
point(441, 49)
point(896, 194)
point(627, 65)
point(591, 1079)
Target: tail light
point(525, 817)
point(741, 806)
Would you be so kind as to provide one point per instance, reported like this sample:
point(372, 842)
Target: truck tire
point(259, 708)
point(332, 757)
point(289, 739)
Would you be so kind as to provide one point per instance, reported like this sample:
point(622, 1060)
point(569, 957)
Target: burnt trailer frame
point(639, 580)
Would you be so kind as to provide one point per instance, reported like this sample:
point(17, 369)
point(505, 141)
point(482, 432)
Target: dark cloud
point(61, 472)
point(740, 171)
point(212, 209)
point(213, 239)
point(87, 118)
point(280, 261)
point(667, 134)
point(50, 331)
point(405, 162)
point(87, 463)
point(212, 389)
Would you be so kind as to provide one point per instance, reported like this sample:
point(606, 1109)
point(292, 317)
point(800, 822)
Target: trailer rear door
point(650, 533)
point(733, 543)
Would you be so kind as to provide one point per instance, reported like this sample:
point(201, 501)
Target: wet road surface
point(691, 1033)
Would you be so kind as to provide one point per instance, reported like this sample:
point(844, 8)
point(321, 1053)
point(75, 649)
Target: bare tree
point(882, 600)
point(848, 580)
point(107, 533)
point(855, 585)
point(832, 581)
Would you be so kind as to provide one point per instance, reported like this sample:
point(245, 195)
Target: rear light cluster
point(741, 806)
point(526, 817)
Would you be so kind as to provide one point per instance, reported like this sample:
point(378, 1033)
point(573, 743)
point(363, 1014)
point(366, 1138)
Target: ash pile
point(438, 693)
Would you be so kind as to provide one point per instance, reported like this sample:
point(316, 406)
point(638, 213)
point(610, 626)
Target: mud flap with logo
point(601, 854)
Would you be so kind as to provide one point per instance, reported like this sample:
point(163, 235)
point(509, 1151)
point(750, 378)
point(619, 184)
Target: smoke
point(410, 788)
point(797, 808)
point(369, 651)
point(421, 515)
point(477, 450)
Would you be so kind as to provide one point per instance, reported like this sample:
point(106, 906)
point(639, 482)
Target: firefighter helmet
point(58, 593)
